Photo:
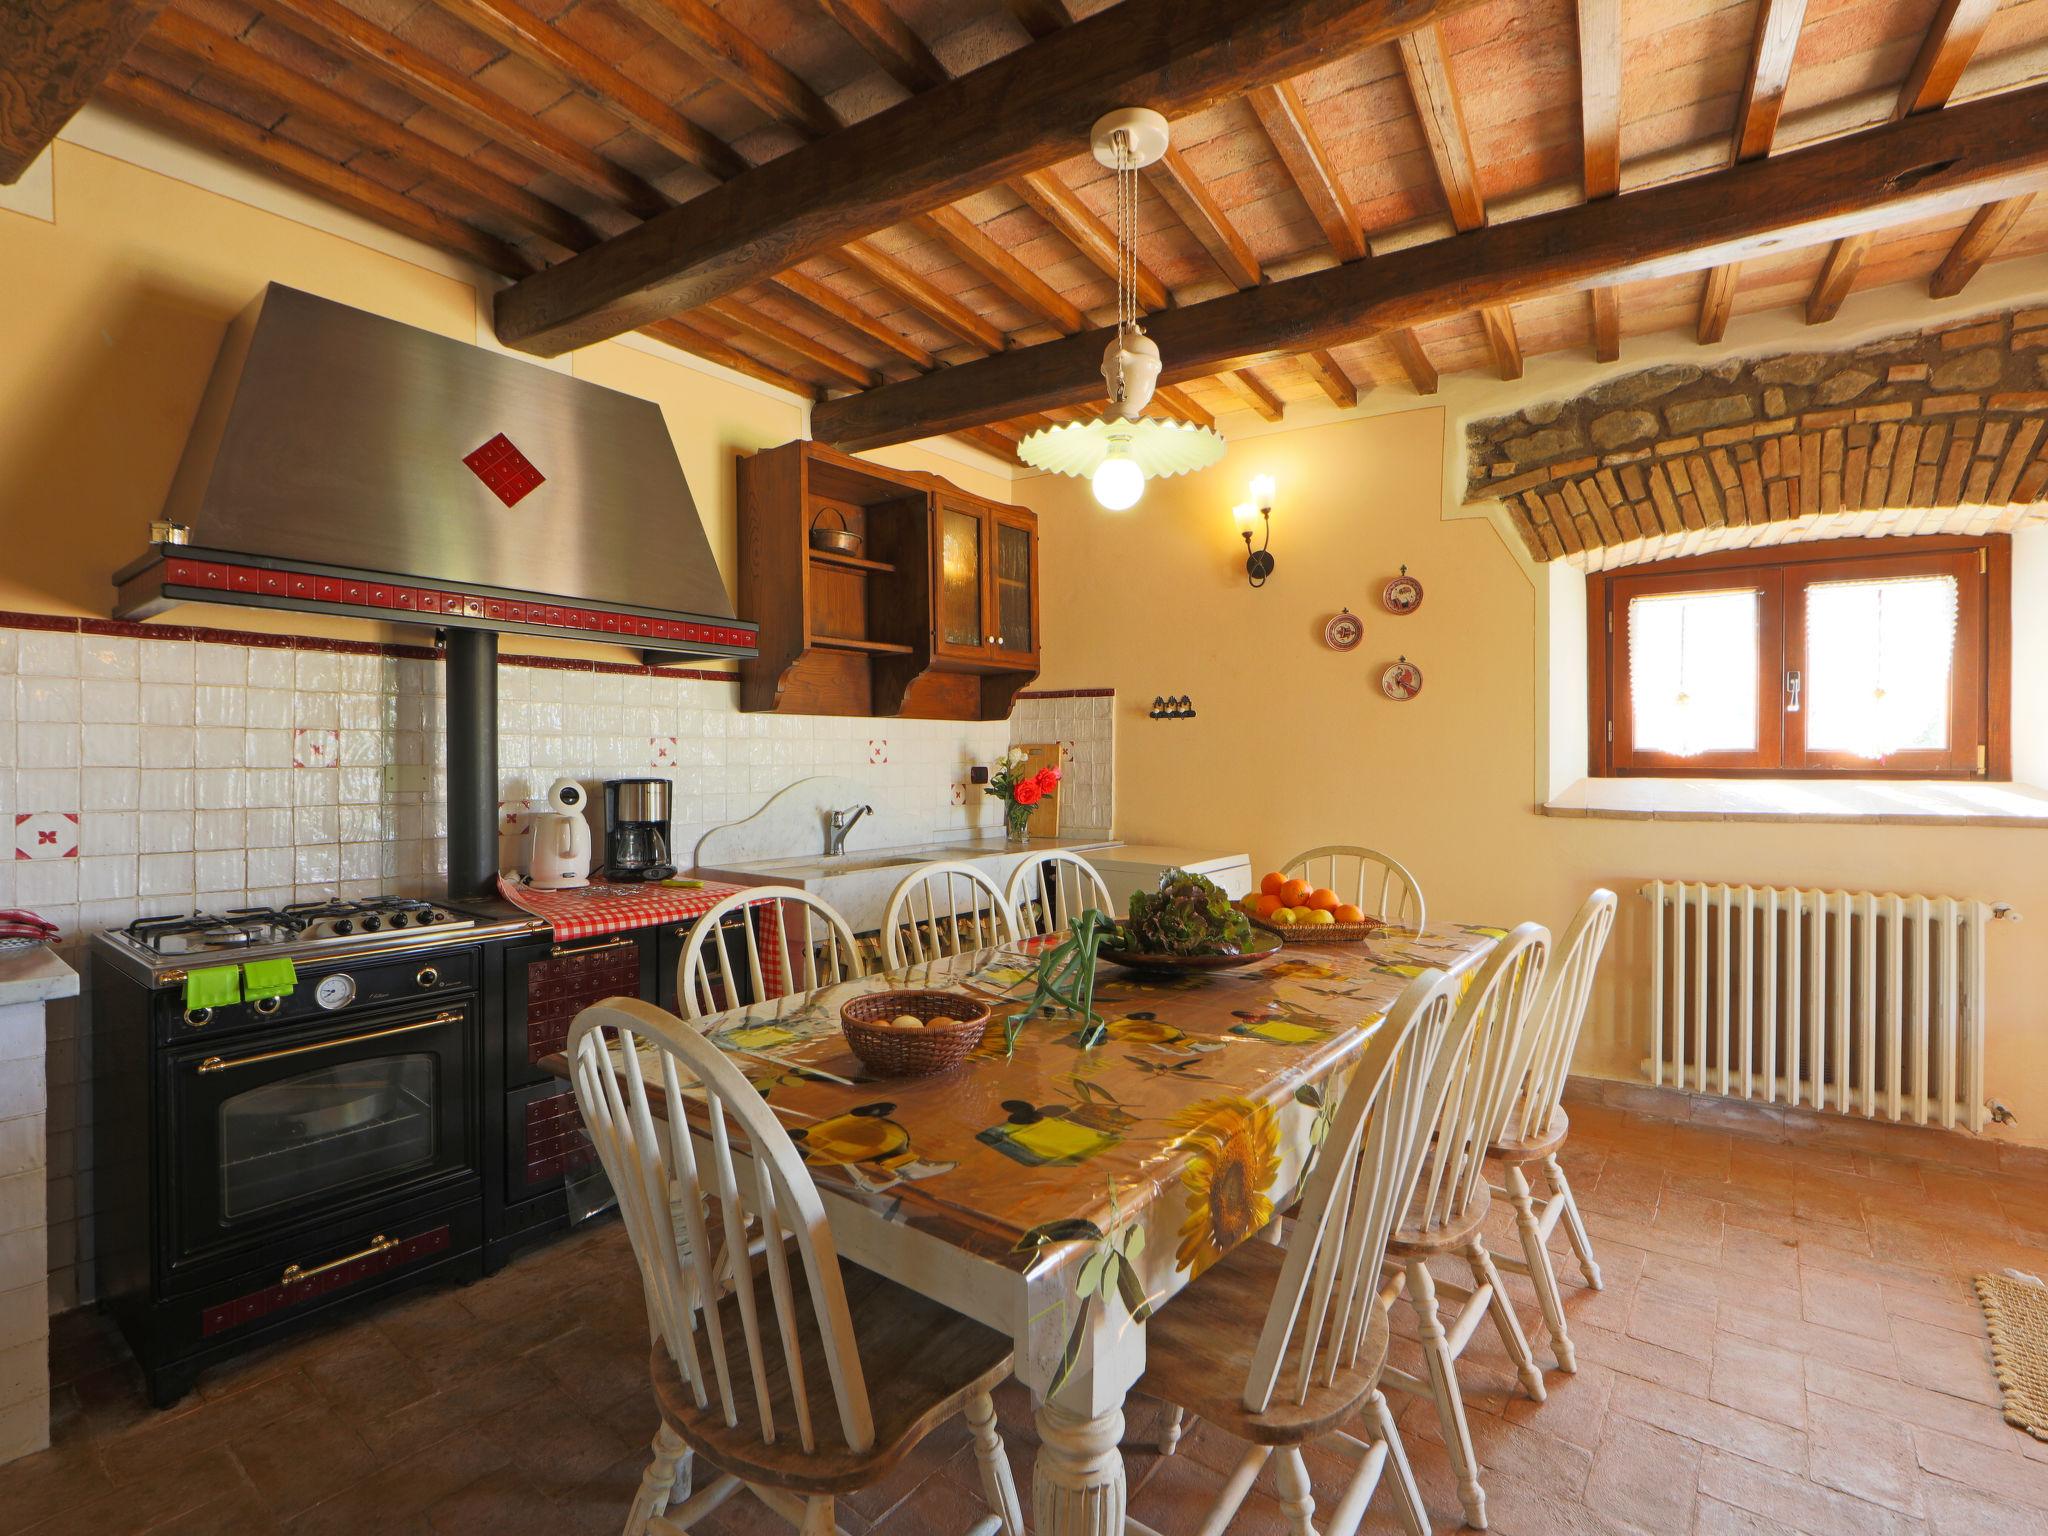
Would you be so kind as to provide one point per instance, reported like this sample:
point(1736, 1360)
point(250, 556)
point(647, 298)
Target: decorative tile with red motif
point(661, 751)
point(46, 835)
point(316, 747)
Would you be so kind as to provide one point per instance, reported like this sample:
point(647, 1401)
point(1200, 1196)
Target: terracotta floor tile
point(1793, 1503)
point(1863, 1454)
point(1712, 1423)
point(1644, 1476)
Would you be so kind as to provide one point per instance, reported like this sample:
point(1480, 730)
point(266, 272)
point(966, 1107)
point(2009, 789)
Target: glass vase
point(1017, 823)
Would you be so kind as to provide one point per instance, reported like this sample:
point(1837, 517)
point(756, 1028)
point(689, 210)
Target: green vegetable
point(1187, 915)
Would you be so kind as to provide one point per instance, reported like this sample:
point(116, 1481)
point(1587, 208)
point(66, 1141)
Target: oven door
point(289, 1131)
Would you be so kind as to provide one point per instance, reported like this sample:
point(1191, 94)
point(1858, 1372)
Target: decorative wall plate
point(1402, 681)
point(1343, 631)
point(1402, 595)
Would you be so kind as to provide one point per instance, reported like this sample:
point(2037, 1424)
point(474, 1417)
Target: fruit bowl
point(950, 1027)
point(1303, 914)
point(1322, 933)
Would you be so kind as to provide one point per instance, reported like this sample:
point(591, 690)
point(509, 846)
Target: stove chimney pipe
point(472, 725)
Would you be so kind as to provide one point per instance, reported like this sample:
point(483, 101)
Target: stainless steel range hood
point(343, 462)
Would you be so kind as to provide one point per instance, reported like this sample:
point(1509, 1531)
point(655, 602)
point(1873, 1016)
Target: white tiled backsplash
point(141, 775)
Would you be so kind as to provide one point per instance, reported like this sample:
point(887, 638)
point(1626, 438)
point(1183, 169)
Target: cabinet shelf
point(851, 562)
point(865, 647)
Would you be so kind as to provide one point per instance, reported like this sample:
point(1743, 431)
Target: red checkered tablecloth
point(601, 907)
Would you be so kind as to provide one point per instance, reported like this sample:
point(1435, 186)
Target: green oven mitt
point(216, 986)
point(269, 978)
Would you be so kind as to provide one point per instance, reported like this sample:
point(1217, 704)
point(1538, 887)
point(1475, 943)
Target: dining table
point(1064, 1183)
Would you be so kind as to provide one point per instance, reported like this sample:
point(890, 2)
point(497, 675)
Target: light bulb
point(1247, 516)
point(1262, 490)
point(1119, 483)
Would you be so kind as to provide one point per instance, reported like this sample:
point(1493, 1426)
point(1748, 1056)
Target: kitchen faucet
point(842, 823)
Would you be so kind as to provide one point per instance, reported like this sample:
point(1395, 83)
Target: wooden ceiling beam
point(1756, 125)
point(55, 55)
point(1184, 405)
point(1285, 120)
point(1061, 207)
point(1980, 237)
point(246, 143)
point(1414, 361)
point(1600, 132)
point(430, 81)
point(525, 34)
point(1498, 321)
point(1330, 374)
point(1900, 172)
point(1013, 115)
point(1196, 206)
point(1945, 52)
point(752, 322)
point(701, 343)
point(887, 39)
point(988, 440)
point(736, 61)
point(834, 305)
point(1041, 18)
point(224, 56)
point(966, 239)
point(948, 313)
point(1254, 392)
point(1428, 71)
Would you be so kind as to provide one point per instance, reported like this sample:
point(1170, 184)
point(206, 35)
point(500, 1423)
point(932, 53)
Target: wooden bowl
point(885, 1049)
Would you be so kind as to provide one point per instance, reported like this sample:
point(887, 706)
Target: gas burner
point(374, 914)
point(207, 930)
point(298, 927)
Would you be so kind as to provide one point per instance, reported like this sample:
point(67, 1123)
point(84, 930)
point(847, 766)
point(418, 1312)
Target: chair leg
point(818, 1518)
point(998, 1485)
point(1443, 1386)
point(1408, 1506)
point(1169, 1429)
point(1505, 1322)
point(666, 1481)
point(1537, 1258)
point(1297, 1503)
point(1574, 1224)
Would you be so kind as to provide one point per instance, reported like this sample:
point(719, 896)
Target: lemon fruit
point(1320, 915)
point(1281, 915)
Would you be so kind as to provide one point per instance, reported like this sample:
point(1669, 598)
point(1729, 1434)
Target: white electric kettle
point(560, 857)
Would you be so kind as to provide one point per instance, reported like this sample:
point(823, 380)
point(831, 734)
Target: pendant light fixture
point(1123, 448)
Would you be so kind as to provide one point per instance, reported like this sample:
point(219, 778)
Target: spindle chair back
point(944, 909)
point(1378, 884)
point(795, 942)
point(1047, 891)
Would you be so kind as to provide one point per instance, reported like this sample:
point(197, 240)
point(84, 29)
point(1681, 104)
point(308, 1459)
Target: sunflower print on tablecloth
point(1235, 1158)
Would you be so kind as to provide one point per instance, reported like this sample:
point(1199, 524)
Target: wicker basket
point(893, 1052)
point(1326, 933)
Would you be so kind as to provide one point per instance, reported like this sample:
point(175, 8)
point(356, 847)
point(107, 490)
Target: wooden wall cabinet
point(936, 618)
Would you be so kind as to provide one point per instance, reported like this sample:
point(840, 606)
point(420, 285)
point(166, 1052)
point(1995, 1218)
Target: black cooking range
point(260, 1162)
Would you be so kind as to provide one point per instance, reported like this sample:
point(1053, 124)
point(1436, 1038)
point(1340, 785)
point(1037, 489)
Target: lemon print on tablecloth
point(875, 1150)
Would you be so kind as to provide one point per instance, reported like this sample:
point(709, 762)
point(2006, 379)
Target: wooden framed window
point(1851, 658)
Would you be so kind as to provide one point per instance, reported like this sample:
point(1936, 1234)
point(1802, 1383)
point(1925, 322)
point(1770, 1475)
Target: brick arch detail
point(1948, 417)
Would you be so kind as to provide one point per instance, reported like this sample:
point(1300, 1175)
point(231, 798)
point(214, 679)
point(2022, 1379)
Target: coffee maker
point(636, 830)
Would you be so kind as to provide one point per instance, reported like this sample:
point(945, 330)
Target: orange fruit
point(1294, 893)
point(1268, 904)
point(1323, 899)
point(1271, 884)
point(1349, 914)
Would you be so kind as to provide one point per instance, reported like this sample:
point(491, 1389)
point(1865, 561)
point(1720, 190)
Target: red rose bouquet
point(1019, 791)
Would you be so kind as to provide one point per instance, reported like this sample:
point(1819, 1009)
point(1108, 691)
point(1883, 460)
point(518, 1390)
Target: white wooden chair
point(1536, 1125)
point(1047, 891)
point(1451, 1200)
point(1375, 882)
point(815, 951)
point(740, 1353)
point(1317, 1359)
point(944, 909)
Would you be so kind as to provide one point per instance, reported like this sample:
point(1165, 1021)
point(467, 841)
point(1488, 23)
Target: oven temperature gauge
point(336, 991)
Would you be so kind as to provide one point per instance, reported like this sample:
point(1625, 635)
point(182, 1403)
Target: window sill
point(1900, 802)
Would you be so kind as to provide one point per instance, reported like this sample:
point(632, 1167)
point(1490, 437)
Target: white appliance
point(560, 856)
point(1137, 867)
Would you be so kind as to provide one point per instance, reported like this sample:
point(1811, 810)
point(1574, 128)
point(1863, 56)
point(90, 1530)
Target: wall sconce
point(1258, 563)
point(1182, 708)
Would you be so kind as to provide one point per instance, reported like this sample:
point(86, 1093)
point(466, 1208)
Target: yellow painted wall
point(1292, 744)
point(109, 320)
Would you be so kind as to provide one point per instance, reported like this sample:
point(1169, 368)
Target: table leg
point(1077, 1480)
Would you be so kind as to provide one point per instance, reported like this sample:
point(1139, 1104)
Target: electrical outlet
point(978, 774)
point(405, 778)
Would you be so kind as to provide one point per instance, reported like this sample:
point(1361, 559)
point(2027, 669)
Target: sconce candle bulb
point(1249, 515)
point(1262, 492)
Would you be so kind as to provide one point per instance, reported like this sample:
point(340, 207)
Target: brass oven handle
point(378, 1244)
point(221, 1064)
point(591, 949)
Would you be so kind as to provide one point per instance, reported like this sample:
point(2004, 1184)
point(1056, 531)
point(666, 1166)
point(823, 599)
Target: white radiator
point(1845, 1000)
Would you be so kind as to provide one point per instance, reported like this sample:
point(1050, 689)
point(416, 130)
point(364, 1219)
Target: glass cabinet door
point(962, 565)
point(1016, 574)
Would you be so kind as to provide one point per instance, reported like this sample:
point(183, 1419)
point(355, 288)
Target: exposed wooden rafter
point(948, 313)
point(971, 244)
point(1980, 237)
point(1294, 137)
point(56, 53)
point(1951, 40)
point(1756, 124)
point(731, 57)
point(834, 305)
point(428, 80)
point(1254, 392)
point(1330, 375)
point(1011, 116)
point(1917, 168)
point(750, 321)
point(1600, 129)
point(1196, 207)
point(701, 343)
